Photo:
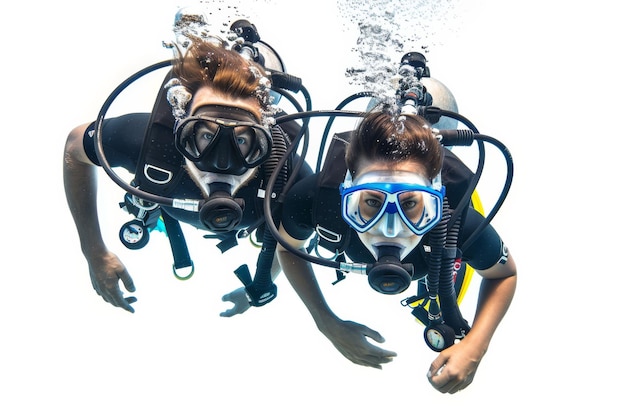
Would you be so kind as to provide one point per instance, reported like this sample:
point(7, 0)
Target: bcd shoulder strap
point(159, 169)
point(331, 229)
point(160, 165)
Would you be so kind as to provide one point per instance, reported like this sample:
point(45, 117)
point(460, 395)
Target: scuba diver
point(391, 198)
point(201, 157)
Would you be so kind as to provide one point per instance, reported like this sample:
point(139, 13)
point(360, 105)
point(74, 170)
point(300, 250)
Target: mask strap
point(347, 181)
point(436, 183)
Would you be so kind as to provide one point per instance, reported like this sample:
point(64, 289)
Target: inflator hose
point(437, 241)
point(447, 295)
point(262, 290)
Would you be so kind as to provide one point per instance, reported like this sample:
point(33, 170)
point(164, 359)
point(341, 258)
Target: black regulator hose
point(284, 81)
point(267, 208)
point(331, 120)
point(303, 133)
point(437, 242)
point(262, 289)
point(447, 295)
point(452, 137)
point(464, 138)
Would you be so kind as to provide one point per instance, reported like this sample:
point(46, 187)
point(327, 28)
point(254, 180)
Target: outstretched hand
point(350, 339)
point(105, 271)
point(239, 298)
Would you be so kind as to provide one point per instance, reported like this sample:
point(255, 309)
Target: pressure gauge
point(439, 337)
point(134, 234)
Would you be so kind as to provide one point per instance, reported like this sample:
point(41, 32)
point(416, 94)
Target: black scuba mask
point(223, 140)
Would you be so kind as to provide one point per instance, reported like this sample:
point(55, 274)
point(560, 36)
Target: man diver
point(208, 138)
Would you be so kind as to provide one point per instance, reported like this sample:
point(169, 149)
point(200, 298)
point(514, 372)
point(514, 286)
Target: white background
point(543, 77)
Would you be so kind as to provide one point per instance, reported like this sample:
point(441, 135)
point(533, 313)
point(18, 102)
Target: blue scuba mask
point(384, 199)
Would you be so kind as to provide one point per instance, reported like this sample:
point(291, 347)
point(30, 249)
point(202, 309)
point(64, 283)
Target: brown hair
point(384, 137)
point(206, 64)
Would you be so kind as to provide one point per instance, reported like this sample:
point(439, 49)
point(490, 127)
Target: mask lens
point(420, 210)
point(365, 205)
point(412, 205)
point(363, 208)
point(254, 144)
point(196, 137)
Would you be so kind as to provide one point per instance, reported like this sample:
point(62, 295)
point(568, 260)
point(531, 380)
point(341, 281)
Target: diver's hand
point(350, 339)
point(240, 300)
point(455, 367)
point(106, 270)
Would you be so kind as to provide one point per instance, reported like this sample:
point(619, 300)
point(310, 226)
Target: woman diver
point(392, 198)
point(209, 138)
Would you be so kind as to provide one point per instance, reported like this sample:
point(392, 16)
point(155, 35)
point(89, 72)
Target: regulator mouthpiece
point(221, 213)
point(388, 275)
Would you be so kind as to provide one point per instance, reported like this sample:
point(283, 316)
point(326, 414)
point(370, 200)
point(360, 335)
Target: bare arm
point(350, 338)
point(455, 367)
point(81, 191)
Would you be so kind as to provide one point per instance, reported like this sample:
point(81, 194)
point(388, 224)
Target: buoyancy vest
point(160, 170)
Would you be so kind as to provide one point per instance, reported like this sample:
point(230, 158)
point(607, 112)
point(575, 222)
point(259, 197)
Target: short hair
point(205, 64)
point(386, 137)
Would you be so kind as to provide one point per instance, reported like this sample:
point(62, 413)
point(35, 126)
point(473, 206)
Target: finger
point(388, 358)
point(107, 295)
point(441, 380)
point(367, 363)
point(115, 297)
point(455, 389)
point(384, 356)
point(374, 361)
point(389, 354)
point(373, 334)
point(373, 358)
point(379, 352)
point(436, 367)
point(373, 365)
point(434, 372)
point(125, 304)
point(228, 298)
point(127, 307)
point(462, 386)
point(124, 276)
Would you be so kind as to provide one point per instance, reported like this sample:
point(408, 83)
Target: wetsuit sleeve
point(487, 249)
point(297, 210)
point(122, 138)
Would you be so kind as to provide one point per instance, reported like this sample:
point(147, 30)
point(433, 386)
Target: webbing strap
point(178, 244)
